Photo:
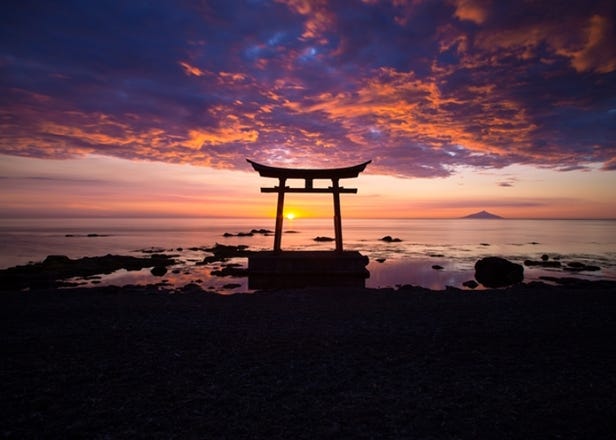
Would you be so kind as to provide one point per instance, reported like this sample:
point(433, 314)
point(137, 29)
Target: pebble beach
point(528, 361)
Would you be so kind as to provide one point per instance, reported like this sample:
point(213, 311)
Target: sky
point(150, 108)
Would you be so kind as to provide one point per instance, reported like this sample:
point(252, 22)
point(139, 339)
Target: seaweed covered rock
point(498, 272)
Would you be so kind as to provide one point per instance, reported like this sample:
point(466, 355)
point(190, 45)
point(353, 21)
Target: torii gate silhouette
point(308, 175)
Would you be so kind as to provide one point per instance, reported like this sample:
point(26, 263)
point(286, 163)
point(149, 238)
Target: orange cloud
point(598, 50)
point(191, 70)
point(472, 10)
point(318, 17)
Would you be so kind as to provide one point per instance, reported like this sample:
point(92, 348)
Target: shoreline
point(526, 361)
point(222, 268)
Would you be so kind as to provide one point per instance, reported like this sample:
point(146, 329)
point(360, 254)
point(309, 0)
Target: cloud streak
point(420, 87)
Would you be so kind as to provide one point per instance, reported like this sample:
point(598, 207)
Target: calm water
point(453, 244)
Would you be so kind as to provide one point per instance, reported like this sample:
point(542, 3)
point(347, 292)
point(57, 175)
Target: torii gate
point(308, 175)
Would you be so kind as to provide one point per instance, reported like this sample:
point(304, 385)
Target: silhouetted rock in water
point(483, 215)
point(239, 234)
point(158, 271)
point(248, 234)
point(380, 260)
point(471, 284)
point(231, 270)
point(87, 235)
point(223, 252)
point(498, 272)
point(437, 267)
point(323, 239)
point(543, 263)
point(50, 272)
point(152, 250)
point(291, 232)
point(436, 255)
point(575, 266)
point(545, 257)
point(390, 239)
point(231, 286)
point(484, 244)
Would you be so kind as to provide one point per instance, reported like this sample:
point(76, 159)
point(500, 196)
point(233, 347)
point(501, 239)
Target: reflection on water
point(453, 244)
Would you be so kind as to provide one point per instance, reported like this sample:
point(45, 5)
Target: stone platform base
point(267, 270)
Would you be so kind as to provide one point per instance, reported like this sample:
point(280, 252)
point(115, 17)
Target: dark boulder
point(437, 267)
point(471, 284)
point(498, 272)
point(323, 239)
point(158, 271)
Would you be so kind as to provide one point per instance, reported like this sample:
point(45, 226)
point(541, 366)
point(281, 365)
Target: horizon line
point(59, 217)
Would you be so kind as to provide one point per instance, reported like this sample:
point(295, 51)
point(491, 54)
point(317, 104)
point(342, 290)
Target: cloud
point(422, 88)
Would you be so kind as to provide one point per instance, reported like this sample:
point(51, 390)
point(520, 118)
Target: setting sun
point(290, 216)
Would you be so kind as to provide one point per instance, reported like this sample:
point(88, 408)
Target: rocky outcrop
point(50, 272)
point(498, 272)
point(576, 266)
point(542, 263)
point(390, 239)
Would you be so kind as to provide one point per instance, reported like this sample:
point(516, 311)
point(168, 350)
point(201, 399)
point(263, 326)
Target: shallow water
point(453, 244)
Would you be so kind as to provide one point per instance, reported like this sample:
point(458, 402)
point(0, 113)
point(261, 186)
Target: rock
point(323, 239)
point(231, 270)
point(231, 286)
point(576, 266)
point(390, 239)
point(55, 268)
point(158, 271)
point(227, 234)
point(498, 272)
point(437, 267)
point(471, 284)
point(51, 260)
point(542, 263)
point(545, 257)
point(380, 260)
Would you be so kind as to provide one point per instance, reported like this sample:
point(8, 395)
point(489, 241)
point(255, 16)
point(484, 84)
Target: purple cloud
point(421, 87)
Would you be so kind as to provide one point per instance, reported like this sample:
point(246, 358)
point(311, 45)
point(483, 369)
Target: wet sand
point(529, 361)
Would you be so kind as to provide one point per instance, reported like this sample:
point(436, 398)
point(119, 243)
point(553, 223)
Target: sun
point(290, 216)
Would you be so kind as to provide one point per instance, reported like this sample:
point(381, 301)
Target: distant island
point(483, 215)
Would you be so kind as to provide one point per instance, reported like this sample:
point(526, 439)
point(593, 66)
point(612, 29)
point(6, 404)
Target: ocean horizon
point(432, 253)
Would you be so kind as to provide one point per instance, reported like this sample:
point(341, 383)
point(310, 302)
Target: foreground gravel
point(526, 362)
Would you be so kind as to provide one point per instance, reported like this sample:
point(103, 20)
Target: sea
point(432, 253)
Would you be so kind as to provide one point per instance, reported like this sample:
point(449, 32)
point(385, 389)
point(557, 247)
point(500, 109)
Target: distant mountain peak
point(482, 214)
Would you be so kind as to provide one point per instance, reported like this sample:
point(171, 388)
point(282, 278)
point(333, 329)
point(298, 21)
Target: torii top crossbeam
point(308, 175)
